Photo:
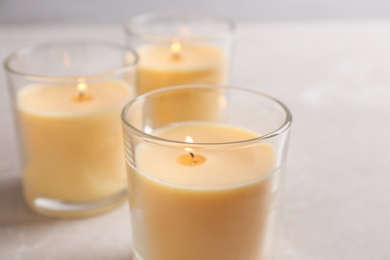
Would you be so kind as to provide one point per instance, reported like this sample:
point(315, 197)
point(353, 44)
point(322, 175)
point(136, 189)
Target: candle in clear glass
point(180, 48)
point(67, 99)
point(206, 189)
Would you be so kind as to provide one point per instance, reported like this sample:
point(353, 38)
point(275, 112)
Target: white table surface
point(334, 76)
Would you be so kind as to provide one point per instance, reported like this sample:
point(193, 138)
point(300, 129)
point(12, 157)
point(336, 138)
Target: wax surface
point(73, 150)
point(198, 64)
point(220, 209)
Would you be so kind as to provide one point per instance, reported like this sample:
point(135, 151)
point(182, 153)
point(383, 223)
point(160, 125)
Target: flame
point(190, 159)
point(176, 49)
point(82, 88)
point(188, 140)
point(82, 95)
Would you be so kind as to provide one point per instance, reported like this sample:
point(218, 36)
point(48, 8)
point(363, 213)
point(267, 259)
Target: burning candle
point(73, 143)
point(206, 189)
point(70, 128)
point(81, 93)
point(221, 204)
point(163, 66)
point(190, 159)
point(178, 49)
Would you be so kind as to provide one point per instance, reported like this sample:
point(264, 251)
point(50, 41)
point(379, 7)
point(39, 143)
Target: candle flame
point(82, 87)
point(82, 96)
point(188, 140)
point(190, 159)
point(176, 49)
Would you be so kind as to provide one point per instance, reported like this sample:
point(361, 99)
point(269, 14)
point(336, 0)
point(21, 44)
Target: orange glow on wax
point(190, 159)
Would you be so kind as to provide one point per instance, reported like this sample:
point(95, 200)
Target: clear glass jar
point(67, 99)
point(205, 187)
point(180, 48)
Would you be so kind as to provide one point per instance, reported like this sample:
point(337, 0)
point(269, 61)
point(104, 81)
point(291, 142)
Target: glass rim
point(278, 131)
point(129, 25)
point(27, 50)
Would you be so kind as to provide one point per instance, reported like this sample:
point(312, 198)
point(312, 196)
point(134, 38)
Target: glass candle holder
point(67, 99)
point(180, 48)
point(205, 188)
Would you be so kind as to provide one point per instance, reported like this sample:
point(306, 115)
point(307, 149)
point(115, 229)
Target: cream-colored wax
point(159, 67)
point(219, 208)
point(194, 64)
point(73, 147)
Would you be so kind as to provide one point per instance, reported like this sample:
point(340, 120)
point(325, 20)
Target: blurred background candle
point(163, 66)
point(68, 99)
point(206, 190)
point(177, 49)
point(180, 48)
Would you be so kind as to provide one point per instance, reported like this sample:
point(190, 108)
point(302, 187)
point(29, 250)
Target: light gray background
point(117, 11)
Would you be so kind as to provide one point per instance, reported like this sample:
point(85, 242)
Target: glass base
point(64, 209)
